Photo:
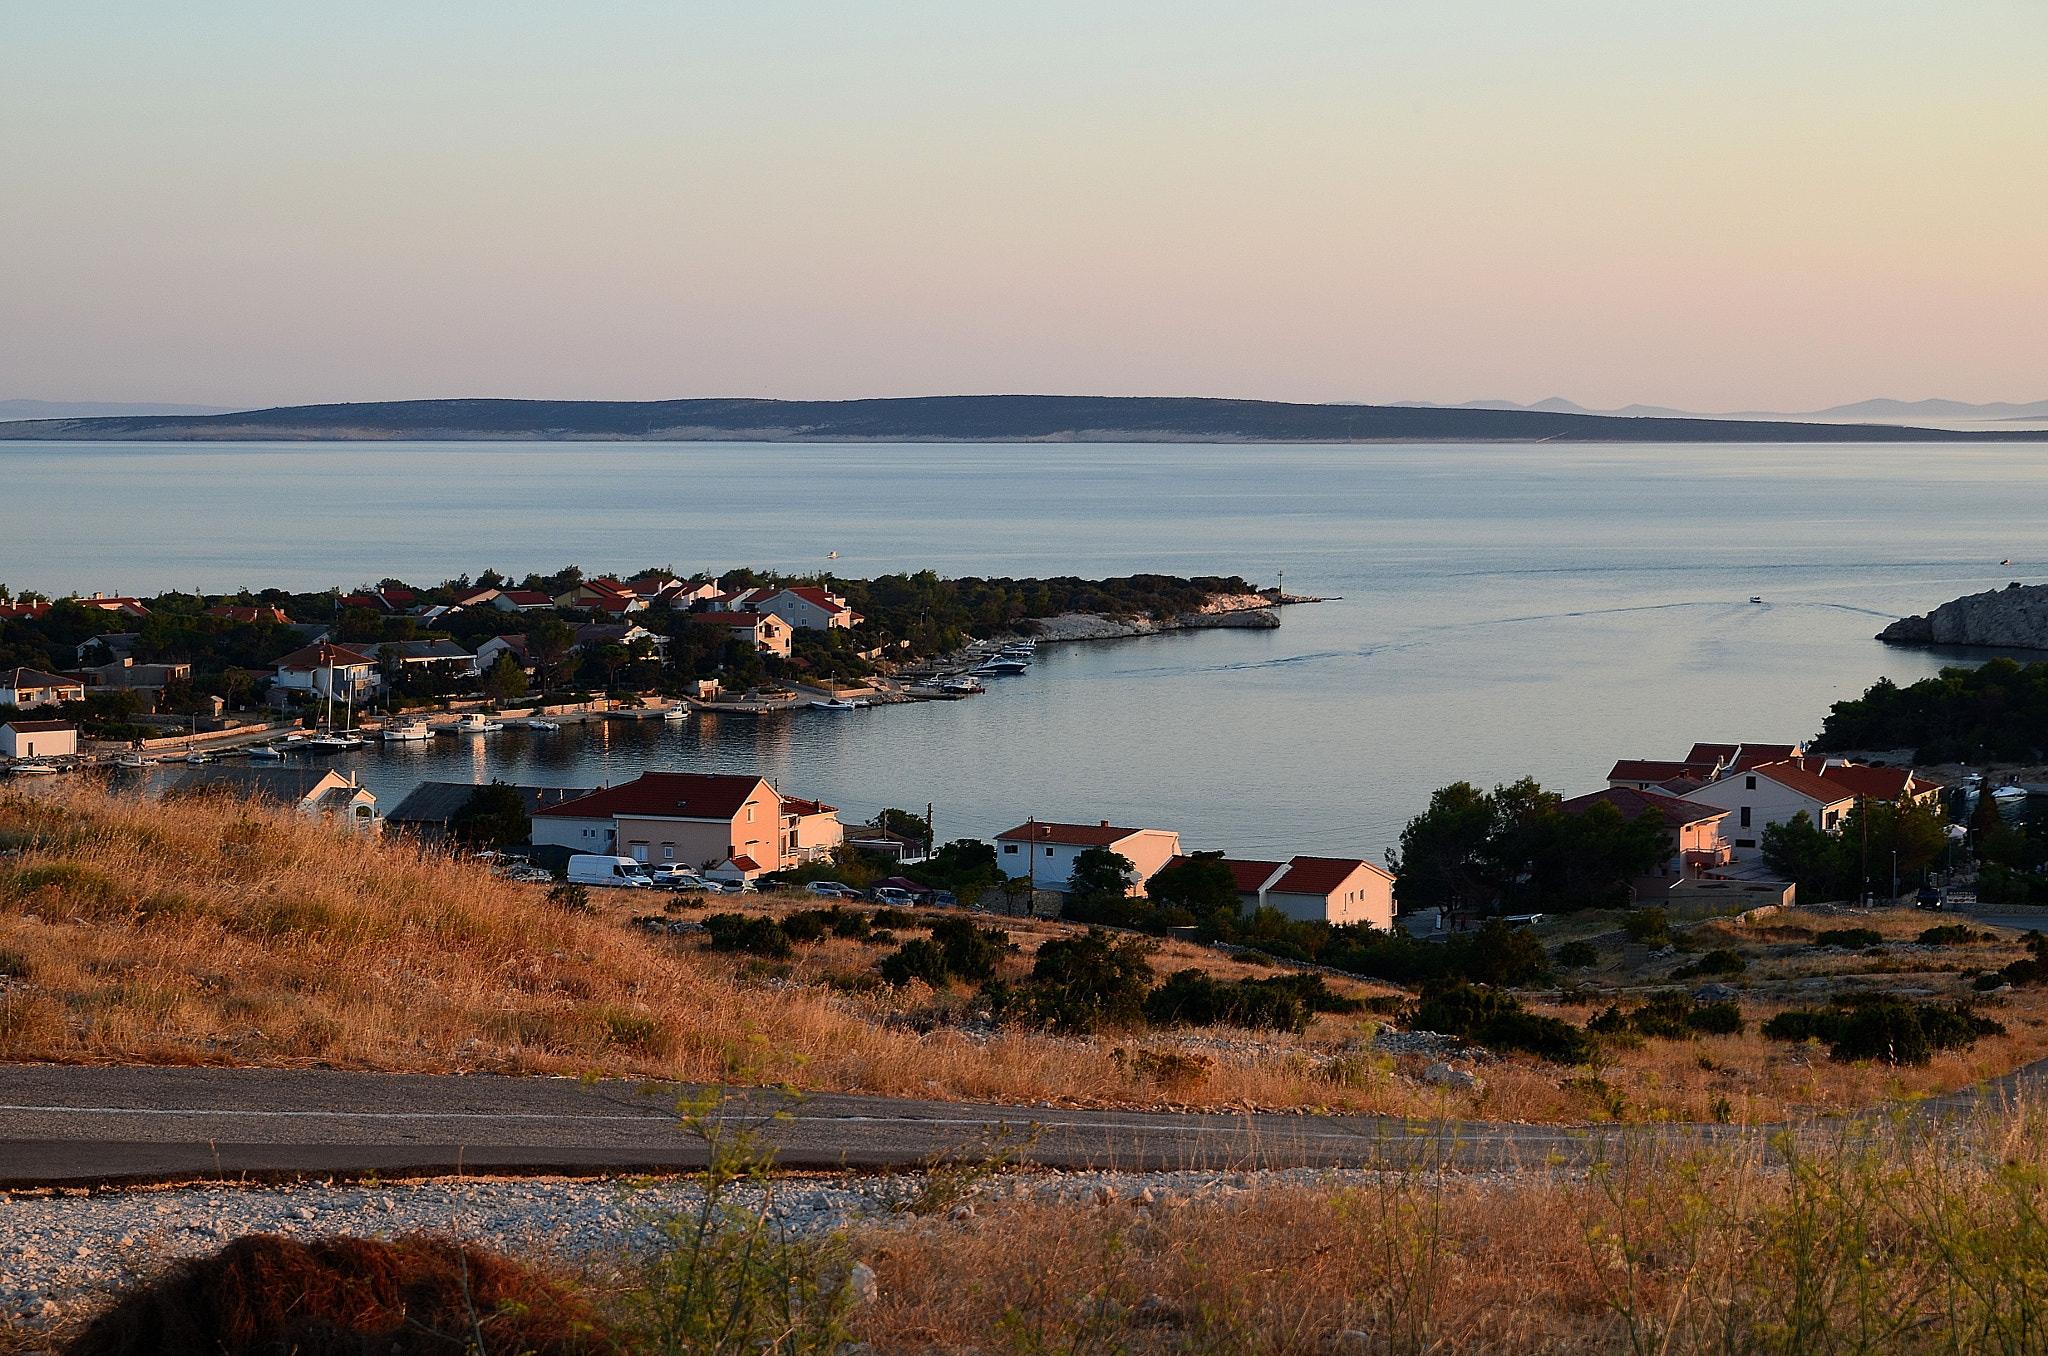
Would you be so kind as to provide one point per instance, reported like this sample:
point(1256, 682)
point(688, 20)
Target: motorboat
point(130, 760)
point(267, 753)
point(676, 712)
point(1756, 597)
point(33, 770)
point(966, 687)
point(197, 757)
point(475, 723)
point(1000, 667)
point(836, 704)
point(2009, 794)
point(544, 726)
point(407, 732)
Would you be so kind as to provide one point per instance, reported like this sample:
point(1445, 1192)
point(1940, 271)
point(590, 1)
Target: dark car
point(943, 899)
point(1928, 898)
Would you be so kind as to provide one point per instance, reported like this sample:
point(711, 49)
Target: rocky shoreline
point(1223, 611)
point(2014, 617)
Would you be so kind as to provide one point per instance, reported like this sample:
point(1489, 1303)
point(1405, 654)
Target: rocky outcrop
point(2014, 617)
point(1245, 611)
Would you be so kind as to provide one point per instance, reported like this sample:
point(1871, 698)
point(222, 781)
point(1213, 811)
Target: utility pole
point(1863, 813)
point(931, 831)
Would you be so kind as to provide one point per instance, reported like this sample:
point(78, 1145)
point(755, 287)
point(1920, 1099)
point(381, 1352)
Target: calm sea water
point(1498, 611)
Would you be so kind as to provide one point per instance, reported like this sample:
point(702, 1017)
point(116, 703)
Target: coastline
point(1223, 611)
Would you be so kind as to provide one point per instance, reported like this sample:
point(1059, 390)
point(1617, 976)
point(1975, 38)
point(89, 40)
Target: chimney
point(1105, 823)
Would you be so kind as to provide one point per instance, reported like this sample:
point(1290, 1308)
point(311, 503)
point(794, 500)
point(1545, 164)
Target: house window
point(639, 852)
point(1048, 852)
point(1010, 847)
point(668, 852)
point(1749, 783)
point(1745, 816)
point(750, 814)
point(1745, 842)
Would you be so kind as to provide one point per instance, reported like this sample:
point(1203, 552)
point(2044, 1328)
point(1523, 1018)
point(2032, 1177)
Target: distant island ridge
point(965, 418)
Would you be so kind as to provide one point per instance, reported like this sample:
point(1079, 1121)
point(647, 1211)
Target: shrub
point(806, 925)
point(1093, 982)
point(1172, 1069)
point(1648, 927)
point(750, 933)
point(1576, 955)
point(918, 958)
point(1716, 1019)
point(1880, 1027)
point(1951, 934)
point(971, 952)
point(1721, 961)
point(850, 923)
point(2034, 971)
point(571, 898)
point(894, 918)
point(1498, 1020)
point(1851, 939)
point(1194, 998)
point(1885, 1031)
point(1496, 954)
point(1669, 1016)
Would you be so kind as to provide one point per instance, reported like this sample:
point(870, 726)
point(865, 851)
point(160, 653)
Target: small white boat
point(130, 760)
point(963, 686)
point(335, 743)
point(474, 723)
point(266, 753)
point(676, 712)
point(2009, 793)
point(1000, 667)
point(407, 732)
point(33, 770)
point(1756, 597)
point(836, 704)
point(197, 757)
point(544, 726)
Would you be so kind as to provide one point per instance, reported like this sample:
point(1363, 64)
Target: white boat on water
point(474, 723)
point(197, 757)
point(964, 686)
point(266, 753)
point(33, 770)
point(336, 741)
point(544, 726)
point(835, 704)
point(1000, 667)
point(676, 712)
point(407, 732)
point(130, 760)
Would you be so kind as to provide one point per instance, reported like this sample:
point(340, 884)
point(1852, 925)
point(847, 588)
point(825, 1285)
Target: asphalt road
point(65, 1125)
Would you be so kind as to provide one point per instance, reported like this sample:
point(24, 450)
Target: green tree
point(548, 644)
point(1443, 858)
point(359, 624)
point(1101, 874)
point(1201, 884)
point(1797, 851)
point(506, 679)
point(494, 816)
point(1095, 982)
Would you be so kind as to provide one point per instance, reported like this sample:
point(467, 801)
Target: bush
point(1576, 955)
point(1094, 982)
point(894, 918)
point(850, 923)
point(572, 898)
point(1194, 998)
point(919, 958)
point(1883, 1031)
point(1721, 961)
point(1951, 934)
point(1647, 927)
point(750, 933)
point(1498, 1020)
point(1851, 939)
point(1669, 1016)
point(971, 952)
point(807, 925)
point(1497, 954)
point(1880, 1027)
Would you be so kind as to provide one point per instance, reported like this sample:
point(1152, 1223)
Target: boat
point(676, 712)
point(1756, 597)
point(999, 667)
point(544, 726)
point(335, 741)
point(966, 687)
point(130, 760)
point(836, 704)
point(407, 732)
point(268, 753)
point(474, 723)
point(33, 770)
point(196, 757)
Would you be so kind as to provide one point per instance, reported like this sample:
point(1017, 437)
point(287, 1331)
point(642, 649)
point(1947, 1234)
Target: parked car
point(612, 872)
point(944, 899)
point(680, 878)
point(1928, 898)
point(890, 894)
point(832, 889)
point(732, 887)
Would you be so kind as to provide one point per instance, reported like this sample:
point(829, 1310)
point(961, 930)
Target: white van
point(588, 869)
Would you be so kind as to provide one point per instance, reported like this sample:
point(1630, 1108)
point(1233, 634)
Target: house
point(1876, 783)
point(811, 831)
point(487, 653)
point(474, 598)
point(682, 595)
point(127, 674)
point(438, 656)
point(127, 607)
point(120, 645)
point(434, 613)
point(1641, 774)
point(1046, 852)
point(523, 600)
point(1693, 829)
point(312, 792)
point(1741, 757)
point(1772, 793)
point(1314, 889)
point(593, 634)
point(1333, 890)
point(379, 600)
point(426, 810)
point(897, 847)
point(23, 611)
point(38, 739)
point(327, 670)
point(807, 609)
point(767, 633)
point(234, 612)
point(701, 820)
point(33, 687)
point(600, 595)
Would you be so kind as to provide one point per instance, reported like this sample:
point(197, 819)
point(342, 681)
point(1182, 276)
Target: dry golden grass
point(199, 932)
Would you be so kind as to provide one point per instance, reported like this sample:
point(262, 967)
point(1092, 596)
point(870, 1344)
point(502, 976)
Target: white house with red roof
point(23, 611)
point(522, 600)
point(33, 687)
point(1315, 889)
point(739, 825)
point(328, 669)
point(127, 607)
point(1046, 851)
point(809, 609)
point(1772, 793)
point(38, 739)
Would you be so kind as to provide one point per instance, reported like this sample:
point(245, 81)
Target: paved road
point(62, 1125)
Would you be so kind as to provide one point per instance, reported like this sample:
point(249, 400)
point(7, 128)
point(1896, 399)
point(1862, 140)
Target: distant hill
point(89, 409)
point(1875, 411)
point(999, 418)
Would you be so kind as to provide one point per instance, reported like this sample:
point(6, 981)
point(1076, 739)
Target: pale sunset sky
point(1716, 206)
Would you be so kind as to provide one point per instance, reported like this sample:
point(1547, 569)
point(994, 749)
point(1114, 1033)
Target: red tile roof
point(745, 863)
point(1796, 778)
point(320, 656)
point(247, 614)
point(794, 805)
point(36, 726)
point(22, 611)
point(1077, 835)
point(819, 597)
point(1876, 783)
point(1634, 804)
point(529, 598)
point(1653, 772)
point(665, 795)
point(1743, 757)
point(1320, 875)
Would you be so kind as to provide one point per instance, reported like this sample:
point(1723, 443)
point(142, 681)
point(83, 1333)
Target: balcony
point(1707, 855)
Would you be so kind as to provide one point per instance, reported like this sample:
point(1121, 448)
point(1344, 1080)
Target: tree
point(1101, 874)
point(360, 624)
point(1817, 862)
point(1599, 851)
point(235, 684)
point(1094, 982)
point(1201, 884)
point(494, 816)
point(1442, 860)
point(506, 679)
point(548, 644)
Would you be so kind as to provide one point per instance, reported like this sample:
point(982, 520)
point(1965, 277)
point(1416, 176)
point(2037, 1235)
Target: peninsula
point(2014, 617)
point(962, 418)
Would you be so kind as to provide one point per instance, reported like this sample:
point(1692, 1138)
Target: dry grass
point(1904, 1239)
point(209, 933)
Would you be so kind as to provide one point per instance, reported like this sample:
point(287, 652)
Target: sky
point(1713, 206)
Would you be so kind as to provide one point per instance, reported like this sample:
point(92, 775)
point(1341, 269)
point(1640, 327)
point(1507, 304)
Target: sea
point(1490, 612)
